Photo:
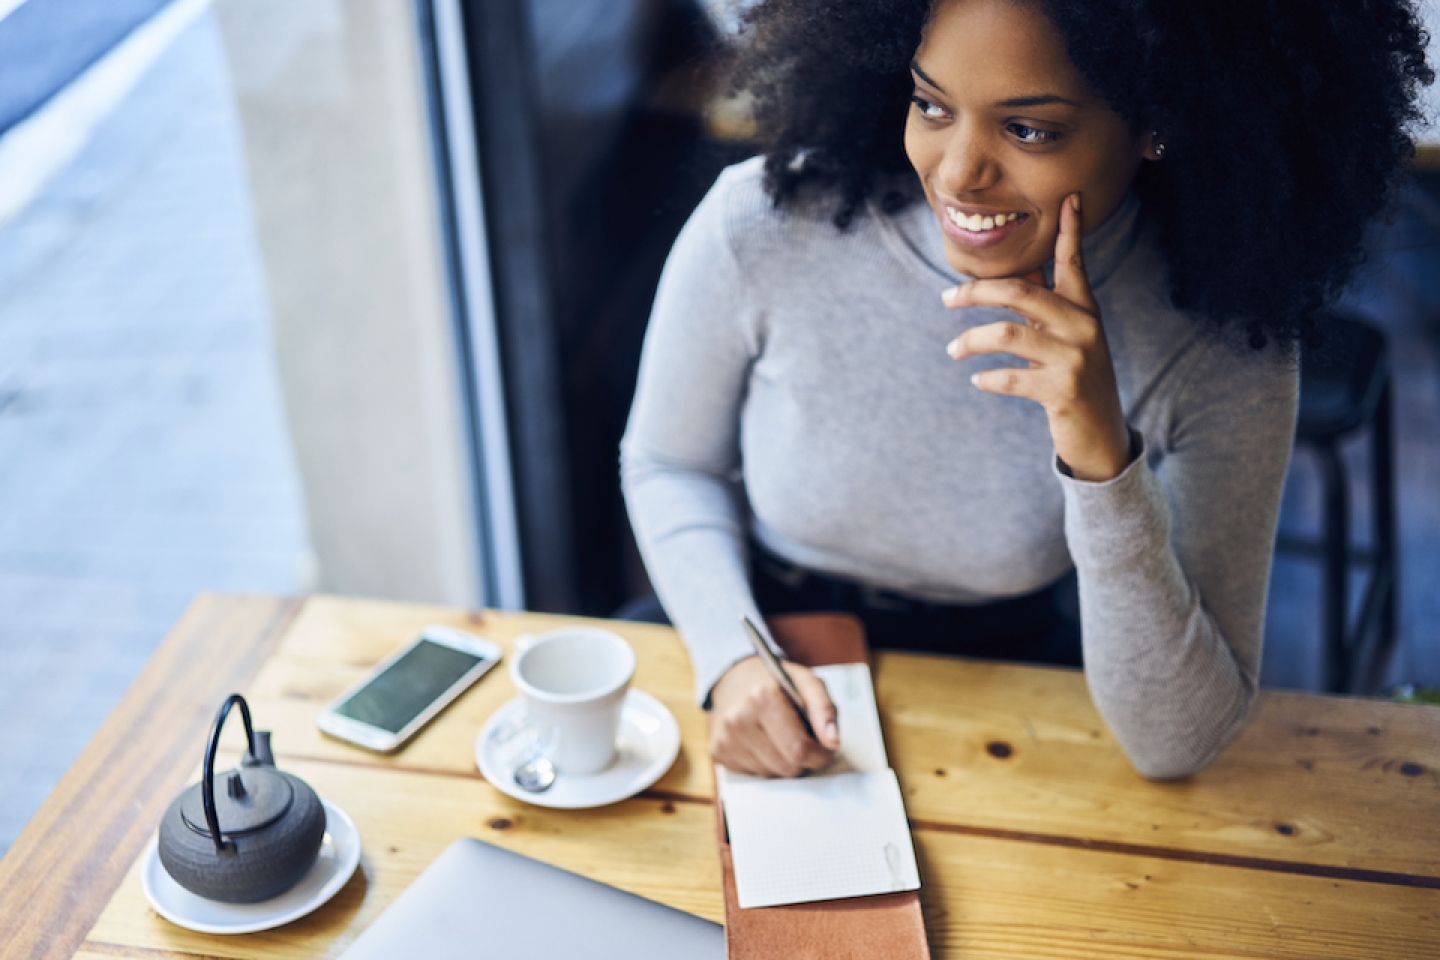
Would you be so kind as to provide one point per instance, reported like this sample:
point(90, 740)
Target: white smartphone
point(409, 687)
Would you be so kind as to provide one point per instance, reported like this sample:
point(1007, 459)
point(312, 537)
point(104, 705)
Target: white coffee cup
point(573, 682)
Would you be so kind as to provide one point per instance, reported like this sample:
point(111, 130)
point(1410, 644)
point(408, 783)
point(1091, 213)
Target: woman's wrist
point(1106, 465)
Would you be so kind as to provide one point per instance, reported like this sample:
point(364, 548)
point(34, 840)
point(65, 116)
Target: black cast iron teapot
point(252, 842)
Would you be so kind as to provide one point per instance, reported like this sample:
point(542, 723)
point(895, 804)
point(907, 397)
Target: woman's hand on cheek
point(1070, 373)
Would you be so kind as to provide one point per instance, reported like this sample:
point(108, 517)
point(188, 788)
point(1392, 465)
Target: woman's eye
point(1028, 134)
point(928, 110)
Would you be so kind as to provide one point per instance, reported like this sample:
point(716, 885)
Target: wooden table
point(1316, 835)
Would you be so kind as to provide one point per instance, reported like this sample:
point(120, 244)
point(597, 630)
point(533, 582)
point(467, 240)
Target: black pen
point(777, 670)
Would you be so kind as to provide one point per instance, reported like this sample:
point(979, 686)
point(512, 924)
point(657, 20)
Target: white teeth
point(975, 223)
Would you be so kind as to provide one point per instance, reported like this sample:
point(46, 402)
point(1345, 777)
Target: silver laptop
point(479, 902)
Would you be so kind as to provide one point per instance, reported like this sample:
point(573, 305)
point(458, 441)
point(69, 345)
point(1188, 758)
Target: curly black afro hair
point(1291, 115)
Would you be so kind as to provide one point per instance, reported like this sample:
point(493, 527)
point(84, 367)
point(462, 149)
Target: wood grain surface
point(1313, 836)
point(67, 862)
point(1345, 784)
point(996, 747)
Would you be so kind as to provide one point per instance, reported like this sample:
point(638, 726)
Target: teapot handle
point(207, 777)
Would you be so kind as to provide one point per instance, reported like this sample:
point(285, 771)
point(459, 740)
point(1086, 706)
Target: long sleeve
point(1174, 562)
point(680, 457)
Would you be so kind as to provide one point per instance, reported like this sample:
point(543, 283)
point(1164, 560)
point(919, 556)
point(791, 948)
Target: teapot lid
point(252, 799)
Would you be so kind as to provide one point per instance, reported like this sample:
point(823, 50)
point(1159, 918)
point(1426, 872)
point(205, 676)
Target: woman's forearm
point(1173, 687)
point(1174, 565)
point(690, 533)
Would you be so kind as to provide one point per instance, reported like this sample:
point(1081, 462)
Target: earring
point(1157, 145)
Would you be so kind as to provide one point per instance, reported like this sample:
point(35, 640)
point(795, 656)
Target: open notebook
point(839, 833)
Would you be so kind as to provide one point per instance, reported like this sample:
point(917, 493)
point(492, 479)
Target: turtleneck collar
point(1104, 249)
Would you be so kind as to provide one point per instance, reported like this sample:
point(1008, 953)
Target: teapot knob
point(236, 787)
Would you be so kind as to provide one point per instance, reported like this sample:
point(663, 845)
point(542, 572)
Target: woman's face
point(1002, 130)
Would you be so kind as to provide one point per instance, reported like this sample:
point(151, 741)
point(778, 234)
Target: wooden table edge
point(89, 831)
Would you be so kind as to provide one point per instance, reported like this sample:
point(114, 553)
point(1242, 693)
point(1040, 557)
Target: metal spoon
point(535, 776)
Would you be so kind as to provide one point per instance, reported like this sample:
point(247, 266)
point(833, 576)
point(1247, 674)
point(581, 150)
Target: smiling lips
point(976, 223)
point(979, 230)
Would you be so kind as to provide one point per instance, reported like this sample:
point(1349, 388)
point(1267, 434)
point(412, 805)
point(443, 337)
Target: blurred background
point(348, 296)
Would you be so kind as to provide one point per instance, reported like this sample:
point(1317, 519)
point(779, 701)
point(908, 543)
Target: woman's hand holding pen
point(1070, 372)
point(754, 728)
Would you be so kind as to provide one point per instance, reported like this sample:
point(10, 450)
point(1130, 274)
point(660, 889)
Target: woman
point(1016, 286)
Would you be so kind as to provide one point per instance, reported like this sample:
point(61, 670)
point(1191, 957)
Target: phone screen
point(402, 691)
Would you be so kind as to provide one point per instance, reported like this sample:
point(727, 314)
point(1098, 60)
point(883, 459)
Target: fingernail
point(953, 348)
point(975, 379)
point(831, 732)
point(949, 295)
point(1075, 202)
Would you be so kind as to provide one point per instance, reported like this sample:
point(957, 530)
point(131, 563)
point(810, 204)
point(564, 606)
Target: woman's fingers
point(1023, 295)
point(796, 751)
point(744, 745)
point(1071, 281)
point(1015, 382)
point(1055, 366)
point(1042, 309)
point(784, 748)
point(738, 740)
point(819, 708)
point(755, 729)
point(1017, 339)
point(774, 759)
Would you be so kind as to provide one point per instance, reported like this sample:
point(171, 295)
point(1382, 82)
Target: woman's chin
point(986, 268)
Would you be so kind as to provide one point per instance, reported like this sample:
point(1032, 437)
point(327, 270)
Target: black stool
point(1344, 386)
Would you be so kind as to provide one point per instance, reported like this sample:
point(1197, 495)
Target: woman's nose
point(968, 165)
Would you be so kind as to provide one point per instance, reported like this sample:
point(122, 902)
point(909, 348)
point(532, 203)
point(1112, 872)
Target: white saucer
point(649, 741)
point(339, 854)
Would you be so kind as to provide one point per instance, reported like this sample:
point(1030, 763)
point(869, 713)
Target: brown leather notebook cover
point(888, 925)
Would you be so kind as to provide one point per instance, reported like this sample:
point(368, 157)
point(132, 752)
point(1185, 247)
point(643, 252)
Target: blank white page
point(795, 841)
point(839, 833)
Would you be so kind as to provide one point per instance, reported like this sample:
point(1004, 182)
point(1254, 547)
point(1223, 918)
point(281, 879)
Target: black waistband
point(795, 577)
point(1032, 627)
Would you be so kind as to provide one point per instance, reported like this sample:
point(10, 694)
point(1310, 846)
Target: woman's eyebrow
point(915, 68)
point(1040, 100)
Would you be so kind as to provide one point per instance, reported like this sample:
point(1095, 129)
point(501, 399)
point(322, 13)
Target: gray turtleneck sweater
point(795, 387)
